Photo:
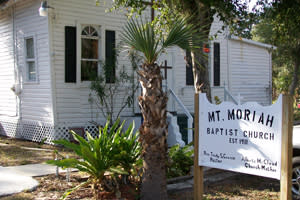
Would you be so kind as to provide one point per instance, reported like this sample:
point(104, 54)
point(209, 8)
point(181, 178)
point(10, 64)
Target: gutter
point(252, 42)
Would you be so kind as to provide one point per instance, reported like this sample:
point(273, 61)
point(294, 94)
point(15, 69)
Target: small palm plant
point(142, 38)
point(99, 156)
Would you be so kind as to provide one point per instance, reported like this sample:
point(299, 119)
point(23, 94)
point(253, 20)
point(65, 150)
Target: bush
point(180, 160)
point(102, 155)
point(128, 151)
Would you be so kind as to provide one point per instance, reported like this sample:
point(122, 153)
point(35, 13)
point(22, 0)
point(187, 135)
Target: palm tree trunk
point(153, 133)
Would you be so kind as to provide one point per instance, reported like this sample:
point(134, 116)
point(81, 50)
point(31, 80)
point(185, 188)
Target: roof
point(259, 44)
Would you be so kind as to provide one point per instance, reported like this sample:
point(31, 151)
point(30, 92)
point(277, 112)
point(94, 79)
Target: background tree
point(200, 13)
point(279, 26)
point(284, 18)
point(153, 100)
point(282, 66)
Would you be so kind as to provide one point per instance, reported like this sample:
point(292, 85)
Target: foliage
point(198, 13)
point(99, 156)
point(180, 160)
point(127, 151)
point(141, 37)
point(279, 25)
point(281, 65)
point(217, 100)
point(234, 13)
point(106, 95)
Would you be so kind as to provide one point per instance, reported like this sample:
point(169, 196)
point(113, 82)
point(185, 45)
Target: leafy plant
point(128, 149)
point(112, 92)
point(217, 100)
point(180, 160)
point(100, 156)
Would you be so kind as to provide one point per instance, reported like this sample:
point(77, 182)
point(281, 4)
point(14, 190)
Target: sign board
point(242, 138)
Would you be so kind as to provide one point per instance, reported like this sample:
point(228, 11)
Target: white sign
point(242, 138)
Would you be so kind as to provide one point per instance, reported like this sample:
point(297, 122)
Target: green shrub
point(101, 155)
point(180, 160)
point(127, 149)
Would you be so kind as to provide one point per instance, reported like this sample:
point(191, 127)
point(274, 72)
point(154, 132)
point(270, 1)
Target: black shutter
point(189, 78)
point(216, 64)
point(70, 54)
point(110, 56)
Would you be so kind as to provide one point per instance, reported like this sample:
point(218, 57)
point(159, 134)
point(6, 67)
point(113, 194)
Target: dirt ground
point(239, 187)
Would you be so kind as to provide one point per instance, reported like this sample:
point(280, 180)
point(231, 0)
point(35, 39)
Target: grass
point(14, 155)
point(21, 152)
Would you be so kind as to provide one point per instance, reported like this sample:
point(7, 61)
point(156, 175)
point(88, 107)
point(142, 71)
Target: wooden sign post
point(198, 170)
point(286, 148)
point(246, 138)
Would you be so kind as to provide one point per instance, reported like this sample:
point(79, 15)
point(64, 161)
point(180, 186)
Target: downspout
point(228, 62)
point(17, 76)
point(50, 18)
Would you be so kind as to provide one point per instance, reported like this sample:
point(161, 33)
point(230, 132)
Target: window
point(89, 53)
point(216, 64)
point(89, 60)
point(31, 74)
point(189, 78)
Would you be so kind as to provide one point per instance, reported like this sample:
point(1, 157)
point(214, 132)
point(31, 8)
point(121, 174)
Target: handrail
point(187, 113)
point(227, 93)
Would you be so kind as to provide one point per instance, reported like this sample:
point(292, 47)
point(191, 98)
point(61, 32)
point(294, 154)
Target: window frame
point(99, 29)
point(27, 60)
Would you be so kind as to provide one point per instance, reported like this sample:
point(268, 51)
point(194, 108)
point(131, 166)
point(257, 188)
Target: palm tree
point(153, 100)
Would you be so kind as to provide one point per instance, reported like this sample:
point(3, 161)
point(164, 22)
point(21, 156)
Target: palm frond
point(182, 35)
point(69, 145)
point(141, 37)
point(69, 191)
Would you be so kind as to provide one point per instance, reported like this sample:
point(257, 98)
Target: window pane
point(29, 48)
point(89, 48)
point(89, 31)
point(89, 70)
point(31, 71)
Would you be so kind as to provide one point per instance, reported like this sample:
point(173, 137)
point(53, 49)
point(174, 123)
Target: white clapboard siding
point(72, 99)
point(36, 98)
point(250, 72)
point(8, 100)
point(185, 93)
point(245, 67)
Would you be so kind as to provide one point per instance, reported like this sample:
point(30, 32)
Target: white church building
point(44, 87)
